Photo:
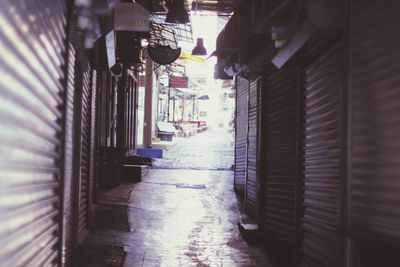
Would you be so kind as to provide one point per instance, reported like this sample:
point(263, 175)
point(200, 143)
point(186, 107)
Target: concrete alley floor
point(172, 218)
point(209, 150)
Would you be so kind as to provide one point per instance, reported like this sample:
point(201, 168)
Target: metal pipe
point(168, 104)
point(173, 107)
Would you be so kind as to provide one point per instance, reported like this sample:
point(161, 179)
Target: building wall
point(48, 137)
point(33, 124)
point(329, 183)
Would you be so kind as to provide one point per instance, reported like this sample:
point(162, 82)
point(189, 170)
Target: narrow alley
point(171, 218)
point(204, 133)
point(210, 150)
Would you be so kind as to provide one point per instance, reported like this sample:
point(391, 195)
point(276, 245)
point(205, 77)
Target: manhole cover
point(190, 186)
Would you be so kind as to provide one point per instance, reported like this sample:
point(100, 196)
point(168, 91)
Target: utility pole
point(173, 108)
point(168, 104)
point(194, 102)
point(183, 108)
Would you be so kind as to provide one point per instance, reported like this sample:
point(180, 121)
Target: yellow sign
point(187, 56)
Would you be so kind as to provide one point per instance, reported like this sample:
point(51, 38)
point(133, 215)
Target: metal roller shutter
point(68, 158)
point(241, 127)
point(93, 139)
point(375, 81)
point(85, 166)
point(32, 35)
point(323, 82)
point(252, 186)
point(280, 154)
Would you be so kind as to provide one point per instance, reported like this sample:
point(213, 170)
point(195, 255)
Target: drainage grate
point(190, 186)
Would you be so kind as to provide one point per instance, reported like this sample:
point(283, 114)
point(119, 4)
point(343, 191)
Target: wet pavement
point(175, 218)
point(209, 150)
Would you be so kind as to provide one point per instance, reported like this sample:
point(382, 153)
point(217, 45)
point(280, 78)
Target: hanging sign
point(131, 17)
point(179, 82)
point(110, 48)
point(162, 54)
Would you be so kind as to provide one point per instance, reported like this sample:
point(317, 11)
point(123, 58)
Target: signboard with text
point(179, 82)
point(131, 17)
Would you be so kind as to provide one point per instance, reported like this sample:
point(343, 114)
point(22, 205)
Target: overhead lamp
point(199, 49)
point(194, 6)
point(177, 13)
point(116, 70)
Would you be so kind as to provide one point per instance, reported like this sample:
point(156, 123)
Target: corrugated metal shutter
point(68, 158)
point(85, 166)
point(252, 186)
point(280, 126)
point(323, 81)
point(241, 127)
point(32, 35)
point(375, 54)
point(93, 139)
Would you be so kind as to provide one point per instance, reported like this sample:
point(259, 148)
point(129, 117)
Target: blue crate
point(150, 152)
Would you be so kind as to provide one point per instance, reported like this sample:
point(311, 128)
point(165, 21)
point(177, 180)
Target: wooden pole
point(148, 105)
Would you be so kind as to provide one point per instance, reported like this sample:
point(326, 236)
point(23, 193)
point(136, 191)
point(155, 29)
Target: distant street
point(210, 150)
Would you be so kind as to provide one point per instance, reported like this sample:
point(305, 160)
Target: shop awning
point(204, 97)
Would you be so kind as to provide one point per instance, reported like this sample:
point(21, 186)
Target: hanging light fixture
point(199, 49)
point(194, 6)
point(176, 12)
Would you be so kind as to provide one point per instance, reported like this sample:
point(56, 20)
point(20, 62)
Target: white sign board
point(110, 48)
point(131, 17)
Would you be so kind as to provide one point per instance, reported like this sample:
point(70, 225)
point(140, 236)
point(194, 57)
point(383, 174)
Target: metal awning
point(183, 32)
point(162, 35)
point(204, 7)
point(203, 97)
